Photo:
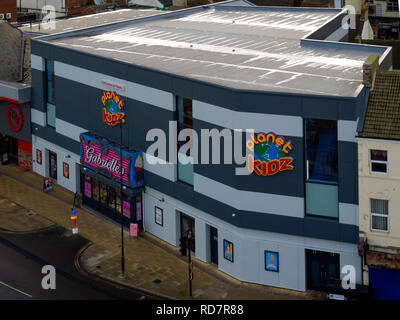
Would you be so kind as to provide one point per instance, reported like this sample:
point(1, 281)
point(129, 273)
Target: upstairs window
point(379, 215)
point(50, 93)
point(50, 82)
point(392, 6)
point(185, 121)
point(321, 151)
point(378, 161)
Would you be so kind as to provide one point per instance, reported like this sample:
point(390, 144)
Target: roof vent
point(370, 66)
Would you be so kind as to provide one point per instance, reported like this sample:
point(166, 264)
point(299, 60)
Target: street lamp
point(189, 237)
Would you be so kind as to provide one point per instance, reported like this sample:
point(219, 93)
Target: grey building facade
point(291, 229)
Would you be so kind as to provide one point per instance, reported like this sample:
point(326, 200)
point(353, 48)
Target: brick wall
point(9, 6)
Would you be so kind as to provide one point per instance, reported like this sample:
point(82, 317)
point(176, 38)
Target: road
point(22, 257)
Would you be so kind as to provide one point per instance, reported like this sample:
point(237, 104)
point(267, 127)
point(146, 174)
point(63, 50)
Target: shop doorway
point(53, 165)
point(321, 266)
point(187, 224)
point(214, 245)
point(107, 200)
point(9, 149)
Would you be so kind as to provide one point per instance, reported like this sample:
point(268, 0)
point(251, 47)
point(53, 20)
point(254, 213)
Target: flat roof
point(248, 48)
point(92, 20)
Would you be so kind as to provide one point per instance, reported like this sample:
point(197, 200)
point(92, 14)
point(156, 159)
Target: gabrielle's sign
point(104, 158)
point(270, 154)
point(112, 108)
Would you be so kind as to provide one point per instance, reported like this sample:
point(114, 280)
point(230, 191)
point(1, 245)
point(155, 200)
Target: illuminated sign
point(102, 157)
point(112, 108)
point(14, 117)
point(270, 154)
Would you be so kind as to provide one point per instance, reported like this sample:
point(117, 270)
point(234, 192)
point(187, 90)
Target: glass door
point(53, 165)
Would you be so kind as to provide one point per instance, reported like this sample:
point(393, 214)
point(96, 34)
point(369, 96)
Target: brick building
point(8, 10)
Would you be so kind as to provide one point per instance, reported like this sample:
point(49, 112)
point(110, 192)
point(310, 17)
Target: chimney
point(370, 66)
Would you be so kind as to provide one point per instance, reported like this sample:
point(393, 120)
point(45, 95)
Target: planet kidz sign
point(112, 108)
point(270, 154)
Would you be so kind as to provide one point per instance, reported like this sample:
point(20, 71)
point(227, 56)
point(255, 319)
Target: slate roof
point(382, 119)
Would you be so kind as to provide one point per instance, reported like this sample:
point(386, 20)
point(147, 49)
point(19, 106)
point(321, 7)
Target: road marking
point(15, 289)
point(142, 298)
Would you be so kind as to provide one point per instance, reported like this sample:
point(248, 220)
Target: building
point(8, 10)
point(15, 94)
point(379, 187)
point(73, 8)
point(218, 67)
point(384, 16)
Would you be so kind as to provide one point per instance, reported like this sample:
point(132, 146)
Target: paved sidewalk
point(146, 258)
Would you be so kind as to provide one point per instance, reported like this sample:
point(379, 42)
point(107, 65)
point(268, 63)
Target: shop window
point(378, 161)
point(379, 215)
point(103, 193)
point(185, 121)
point(111, 198)
point(50, 94)
point(95, 190)
point(321, 153)
point(118, 200)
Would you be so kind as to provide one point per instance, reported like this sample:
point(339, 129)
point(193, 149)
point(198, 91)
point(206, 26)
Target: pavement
point(151, 264)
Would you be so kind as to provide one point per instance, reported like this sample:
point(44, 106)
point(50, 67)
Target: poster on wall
point(38, 156)
point(272, 261)
point(228, 250)
point(88, 189)
point(158, 216)
point(66, 170)
point(126, 208)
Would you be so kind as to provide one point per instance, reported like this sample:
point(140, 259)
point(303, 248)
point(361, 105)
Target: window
point(378, 161)
point(321, 151)
point(392, 6)
point(379, 215)
point(321, 168)
point(185, 121)
point(50, 93)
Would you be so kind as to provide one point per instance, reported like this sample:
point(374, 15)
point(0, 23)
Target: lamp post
point(122, 207)
point(189, 237)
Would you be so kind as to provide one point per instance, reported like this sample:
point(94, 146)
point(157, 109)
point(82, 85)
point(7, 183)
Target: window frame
point(382, 215)
point(379, 162)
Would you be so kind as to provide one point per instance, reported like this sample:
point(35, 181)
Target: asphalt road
point(22, 257)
